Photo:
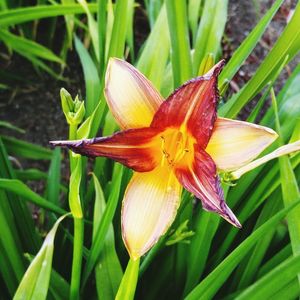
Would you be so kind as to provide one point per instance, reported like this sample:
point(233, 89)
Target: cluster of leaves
point(258, 262)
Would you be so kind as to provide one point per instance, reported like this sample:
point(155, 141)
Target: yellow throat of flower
point(177, 147)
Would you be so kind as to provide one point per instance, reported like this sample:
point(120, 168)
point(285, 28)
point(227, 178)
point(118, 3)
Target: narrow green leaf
point(210, 32)
point(275, 260)
point(93, 28)
point(58, 286)
point(69, 22)
point(210, 285)
point(25, 14)
point(154, 56)
point(289, 292)
point(11, 251)
point(194, 15)
point(118, 36)
point(74, 190)
point(106, 220)
point(24, 149)
point(281, 49)
point(247, 46)
point(101, 20)
point(15, 209)
point(108, 269)
point(129, 26)
point(53, 179)
point(178, 28)
point(273, 281)
point(91, 78)
point(248, 271)
point(18, 187)
point(30, 47)
point(289, 186)
point(35, 282)
point(11, 126)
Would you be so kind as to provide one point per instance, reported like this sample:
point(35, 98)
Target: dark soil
point(33, 102)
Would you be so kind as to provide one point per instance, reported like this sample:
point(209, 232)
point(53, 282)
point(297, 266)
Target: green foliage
point(200, 257)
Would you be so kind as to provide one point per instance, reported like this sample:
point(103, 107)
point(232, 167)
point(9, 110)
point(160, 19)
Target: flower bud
point(74, 110)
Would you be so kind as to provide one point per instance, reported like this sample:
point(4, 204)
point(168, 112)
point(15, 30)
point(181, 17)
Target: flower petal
point(131, 97)
point(149, 208)
point(235, 143)
point(200, 178)
point(192, 106)
point(138, 149)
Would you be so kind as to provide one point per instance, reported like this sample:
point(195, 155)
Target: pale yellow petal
point(131, 97)
point(149, 208)
point(236, 143)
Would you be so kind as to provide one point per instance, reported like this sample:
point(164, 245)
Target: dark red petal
point(201, 179)
point(137, 149)
point(193, 105)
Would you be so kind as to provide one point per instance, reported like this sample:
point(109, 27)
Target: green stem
point(78, 233)
point(72, 136)
point(129, 281)
point(77, 258)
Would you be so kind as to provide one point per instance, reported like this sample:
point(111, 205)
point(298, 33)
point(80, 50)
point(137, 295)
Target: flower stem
point(129, 281)
point(72, 136)
point(77, 258)
point(78, 223)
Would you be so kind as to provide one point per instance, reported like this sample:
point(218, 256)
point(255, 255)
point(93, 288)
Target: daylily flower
point(170, 144)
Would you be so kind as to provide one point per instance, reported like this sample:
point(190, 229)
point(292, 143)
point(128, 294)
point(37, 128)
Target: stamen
point(174, 145)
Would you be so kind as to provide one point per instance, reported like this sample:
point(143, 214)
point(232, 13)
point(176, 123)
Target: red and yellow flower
point(179, 142)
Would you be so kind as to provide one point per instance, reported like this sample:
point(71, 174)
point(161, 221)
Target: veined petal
point(192, 106)
point(131, 97)
point(149, 208)
point(200, 178)
point(236, 143)
point(138, 149)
